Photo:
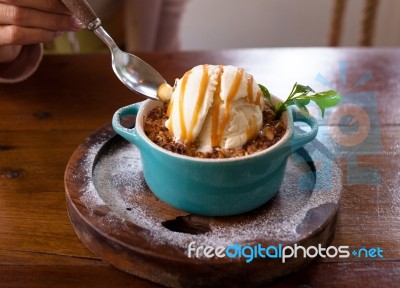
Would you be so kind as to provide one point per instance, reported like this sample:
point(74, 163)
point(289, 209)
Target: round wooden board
point(118, 218)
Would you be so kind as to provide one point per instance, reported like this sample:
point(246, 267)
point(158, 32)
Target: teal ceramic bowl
point(213, 187)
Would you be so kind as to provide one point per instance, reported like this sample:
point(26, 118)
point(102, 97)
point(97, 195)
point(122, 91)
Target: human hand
point(24, 22)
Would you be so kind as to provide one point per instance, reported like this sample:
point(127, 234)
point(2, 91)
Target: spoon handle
point(83, 12)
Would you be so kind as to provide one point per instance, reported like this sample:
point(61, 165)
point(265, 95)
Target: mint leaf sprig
point(301, 97)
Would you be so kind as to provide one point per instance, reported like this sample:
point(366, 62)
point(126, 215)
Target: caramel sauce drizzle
point(170, 106)
point(259, 97)
point(181, 106)
point(215, 109)
point(250, 89)
point(199, 104)
point(252, 130)
point(229, 98)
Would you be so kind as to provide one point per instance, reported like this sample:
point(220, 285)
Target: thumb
point(9, 53)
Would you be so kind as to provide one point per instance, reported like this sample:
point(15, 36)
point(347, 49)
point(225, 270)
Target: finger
point(9, 53)
point(26, 17)
point(54, 6)
point(16, 35)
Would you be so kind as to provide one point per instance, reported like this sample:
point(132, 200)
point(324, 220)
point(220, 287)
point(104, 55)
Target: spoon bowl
point(135, 73)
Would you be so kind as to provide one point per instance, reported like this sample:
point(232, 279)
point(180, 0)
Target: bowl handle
point(300, 139)
point(128, 133)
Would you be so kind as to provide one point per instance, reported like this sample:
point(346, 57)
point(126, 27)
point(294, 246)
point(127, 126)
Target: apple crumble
point(271, 132)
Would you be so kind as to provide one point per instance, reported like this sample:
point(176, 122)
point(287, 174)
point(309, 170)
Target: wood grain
point(43, 120)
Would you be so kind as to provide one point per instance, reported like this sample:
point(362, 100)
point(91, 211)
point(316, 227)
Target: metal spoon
point(135, 73)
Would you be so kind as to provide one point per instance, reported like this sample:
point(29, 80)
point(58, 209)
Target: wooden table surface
point(44, 119)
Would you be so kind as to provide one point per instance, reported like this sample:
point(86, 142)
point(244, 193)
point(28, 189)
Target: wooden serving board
point(118, 218)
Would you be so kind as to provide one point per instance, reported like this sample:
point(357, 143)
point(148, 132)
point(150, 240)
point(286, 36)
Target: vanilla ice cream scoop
point(215, 106)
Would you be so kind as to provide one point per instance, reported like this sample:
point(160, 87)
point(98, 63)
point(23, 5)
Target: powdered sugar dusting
point(88, 197)
point(117, 181)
